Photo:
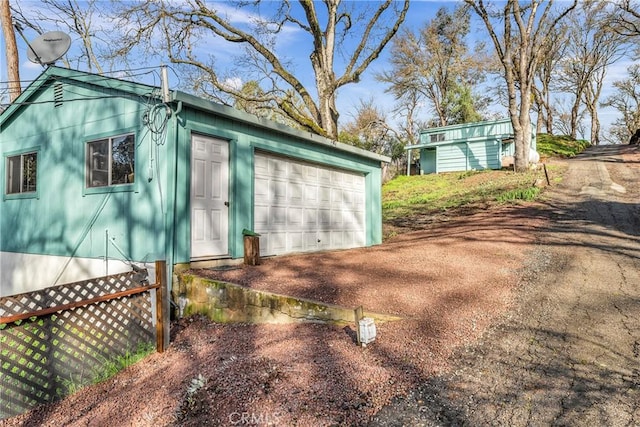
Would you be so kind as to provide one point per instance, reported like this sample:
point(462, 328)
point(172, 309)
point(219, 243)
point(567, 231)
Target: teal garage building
point(469, 146)
point(101, 173)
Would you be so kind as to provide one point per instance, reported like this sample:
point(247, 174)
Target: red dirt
point(449, 282)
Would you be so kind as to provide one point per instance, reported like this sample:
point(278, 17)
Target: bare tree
point(436, 66)
point(520, 48)
point(555, 46)
point(627, 19)
point(181, 25)
point(410, 123)
point(369, 129)
point(562, 120)
point(591, 97)
point(76, 18)
point(592, 46)
point(13, 61)
point(626, 99)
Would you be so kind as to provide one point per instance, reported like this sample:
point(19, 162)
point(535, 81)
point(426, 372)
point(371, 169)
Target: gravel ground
point(448, 282)
point(497, 276)
point(569, 351)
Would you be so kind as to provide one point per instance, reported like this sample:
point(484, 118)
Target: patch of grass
point(406, 196)
point(71, 386)
point(560, 145)
point(526, 194)
point(107, 370)
point(117, 364)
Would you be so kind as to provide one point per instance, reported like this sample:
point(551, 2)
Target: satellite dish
point(48, 47)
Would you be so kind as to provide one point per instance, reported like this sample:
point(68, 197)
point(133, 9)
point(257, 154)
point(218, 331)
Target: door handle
point(226, 204)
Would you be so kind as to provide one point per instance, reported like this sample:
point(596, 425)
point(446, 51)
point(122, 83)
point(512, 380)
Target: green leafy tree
point(436, 66)
point(463, 105)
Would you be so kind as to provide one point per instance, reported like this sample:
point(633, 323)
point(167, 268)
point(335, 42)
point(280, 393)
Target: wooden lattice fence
point(54, 340)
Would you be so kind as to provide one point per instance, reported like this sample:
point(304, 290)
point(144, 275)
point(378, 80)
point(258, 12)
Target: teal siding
point(508, 149)
point(452, 157)
point(461, 156)
point(468, 130)
point(149, 219)
point(484, 155)
point(243, 141)
point(467, 146)
point(65, 218)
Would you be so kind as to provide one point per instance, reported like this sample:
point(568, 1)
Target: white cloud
point(233, 14)
point(242, 18)
point(618, 71)
point(234, 83)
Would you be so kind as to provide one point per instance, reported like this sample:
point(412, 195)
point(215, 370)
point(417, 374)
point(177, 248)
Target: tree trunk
point(574, 119)
point(592, 94)
point(329, 113)
point(549, 121)
point(13, 61)
point(595, 128)
point(522, 141)
point(522, 130)
point(540, 120)
point(522, 33)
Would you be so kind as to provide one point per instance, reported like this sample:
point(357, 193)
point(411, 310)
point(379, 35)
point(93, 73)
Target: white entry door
point(303, 207)
point(209, 197)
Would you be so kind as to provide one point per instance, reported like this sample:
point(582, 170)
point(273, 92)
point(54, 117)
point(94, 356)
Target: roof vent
point(57, 94)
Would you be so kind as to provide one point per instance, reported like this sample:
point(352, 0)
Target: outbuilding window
point(22, 174)
point(111, 161)
point(437, 137)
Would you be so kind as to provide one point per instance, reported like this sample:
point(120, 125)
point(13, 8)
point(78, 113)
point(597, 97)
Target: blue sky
point(289, 46)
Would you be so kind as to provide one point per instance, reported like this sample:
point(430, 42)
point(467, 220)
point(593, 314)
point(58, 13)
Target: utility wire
point(103, 76)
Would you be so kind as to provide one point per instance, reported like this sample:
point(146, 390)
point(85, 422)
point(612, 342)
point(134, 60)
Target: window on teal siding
point(111, 161)
point(21, 173)
point(437, 137)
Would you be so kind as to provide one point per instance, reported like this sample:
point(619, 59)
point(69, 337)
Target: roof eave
point(232, 113)
point(33, 87)
point(456, 141)
point(439, 129)
point(52, 72)
point(191, 100)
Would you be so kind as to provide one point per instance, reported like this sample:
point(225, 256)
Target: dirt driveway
point(551, 290)
point(570, 353)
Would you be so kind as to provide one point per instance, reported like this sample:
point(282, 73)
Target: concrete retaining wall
point(226, 302)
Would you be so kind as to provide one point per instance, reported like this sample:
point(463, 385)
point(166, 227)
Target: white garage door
point(302, 207)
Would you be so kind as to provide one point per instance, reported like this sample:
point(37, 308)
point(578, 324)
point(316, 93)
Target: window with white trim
point(111, 161)
point(21, 173)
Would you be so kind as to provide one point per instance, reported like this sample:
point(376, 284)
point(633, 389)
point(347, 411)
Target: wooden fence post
point(162, 299)
point(546, 174)
point(358, 314)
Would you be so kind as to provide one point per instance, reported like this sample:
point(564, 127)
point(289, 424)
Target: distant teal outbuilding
point(99, 173)
point(469, 146)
